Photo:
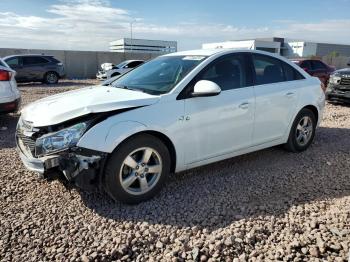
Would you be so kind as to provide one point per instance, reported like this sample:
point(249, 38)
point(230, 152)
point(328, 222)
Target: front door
point(16, 64)
point(220, 124)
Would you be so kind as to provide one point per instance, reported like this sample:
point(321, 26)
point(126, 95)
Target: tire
point(301, 134)
point(124, 173)
point(51, 78)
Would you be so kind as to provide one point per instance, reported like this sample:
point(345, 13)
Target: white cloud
point(92, 24)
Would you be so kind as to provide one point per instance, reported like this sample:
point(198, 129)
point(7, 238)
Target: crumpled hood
point(66, 106)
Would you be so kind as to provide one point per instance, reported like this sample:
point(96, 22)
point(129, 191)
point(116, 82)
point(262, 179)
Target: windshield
point(160, 75)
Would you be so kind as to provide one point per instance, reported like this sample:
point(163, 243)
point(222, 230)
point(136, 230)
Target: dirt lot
point(266, 206)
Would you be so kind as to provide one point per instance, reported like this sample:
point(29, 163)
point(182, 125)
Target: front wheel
point(137, 170)
point(303, 131)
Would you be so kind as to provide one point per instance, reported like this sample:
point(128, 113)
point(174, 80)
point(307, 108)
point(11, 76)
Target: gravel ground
point(266, 206)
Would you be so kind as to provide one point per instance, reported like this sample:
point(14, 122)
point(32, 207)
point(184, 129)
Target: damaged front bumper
point(80, 167)
point(337, 93)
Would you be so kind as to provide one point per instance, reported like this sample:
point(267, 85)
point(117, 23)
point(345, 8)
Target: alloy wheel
point(304, 131)
point(140, 171)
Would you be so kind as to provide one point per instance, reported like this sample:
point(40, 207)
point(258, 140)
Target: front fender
point(105, 138)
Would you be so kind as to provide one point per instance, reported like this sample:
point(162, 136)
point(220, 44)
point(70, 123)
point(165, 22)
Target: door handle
point(244, 105)
point(290, 94)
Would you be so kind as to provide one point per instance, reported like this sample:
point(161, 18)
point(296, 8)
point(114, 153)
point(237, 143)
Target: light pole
point(131, 40)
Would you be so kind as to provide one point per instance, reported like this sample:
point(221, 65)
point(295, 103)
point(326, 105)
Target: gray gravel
point(266, 206)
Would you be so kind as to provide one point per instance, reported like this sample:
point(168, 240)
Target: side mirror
point(206, 88)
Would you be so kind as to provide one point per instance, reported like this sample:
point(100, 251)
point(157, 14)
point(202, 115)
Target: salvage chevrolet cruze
point(176, 112)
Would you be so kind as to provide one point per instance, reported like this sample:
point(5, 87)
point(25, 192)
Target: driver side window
point(228, 72)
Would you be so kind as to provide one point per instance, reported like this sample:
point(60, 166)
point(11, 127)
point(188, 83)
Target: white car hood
point(66, 106)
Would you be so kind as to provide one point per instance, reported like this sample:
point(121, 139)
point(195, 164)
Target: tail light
point(323, 87)
point(5, 75)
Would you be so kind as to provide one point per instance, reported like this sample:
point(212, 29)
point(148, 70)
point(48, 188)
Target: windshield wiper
point(128, 88)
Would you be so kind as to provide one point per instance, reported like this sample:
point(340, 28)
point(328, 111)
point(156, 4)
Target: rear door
point(275, 96)
point(34, 67)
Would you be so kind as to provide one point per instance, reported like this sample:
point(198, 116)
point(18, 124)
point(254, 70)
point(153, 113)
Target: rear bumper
point(10, 107)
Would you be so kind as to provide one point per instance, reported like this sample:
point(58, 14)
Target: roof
point(10, 56)
point(199, 52)
point(211, 52)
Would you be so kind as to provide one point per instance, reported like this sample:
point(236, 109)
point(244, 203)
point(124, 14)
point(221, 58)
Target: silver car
point(109, 70)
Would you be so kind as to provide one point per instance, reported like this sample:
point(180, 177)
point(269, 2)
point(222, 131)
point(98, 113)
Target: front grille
point(345, 81)
point(28, 142)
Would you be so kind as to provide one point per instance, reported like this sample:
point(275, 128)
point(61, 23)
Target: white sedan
point(110, 71)
point(9, 94)
point(176, 112)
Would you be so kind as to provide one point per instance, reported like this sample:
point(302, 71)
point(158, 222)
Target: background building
point(255, 44)
point(333, 54)
point(128, 45)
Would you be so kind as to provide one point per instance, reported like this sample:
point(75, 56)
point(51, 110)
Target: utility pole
point(131, 23)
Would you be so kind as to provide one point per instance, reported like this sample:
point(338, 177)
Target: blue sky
point(91, 24)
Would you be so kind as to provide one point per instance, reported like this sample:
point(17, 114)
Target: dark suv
point(338, 89)
point(316, 68)
point(32, 68)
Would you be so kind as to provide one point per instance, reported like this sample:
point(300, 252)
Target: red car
point(316, 68)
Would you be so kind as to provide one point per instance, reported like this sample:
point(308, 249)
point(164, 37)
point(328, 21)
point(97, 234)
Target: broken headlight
point(335, 78)
point(61, 140)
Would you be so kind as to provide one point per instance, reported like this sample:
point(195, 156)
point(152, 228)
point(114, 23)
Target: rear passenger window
point(268, 70)
point(290, 73)
point(306, 65)
point(34, 60)
point(317, 65)
point(229, 72)
point(12, 61)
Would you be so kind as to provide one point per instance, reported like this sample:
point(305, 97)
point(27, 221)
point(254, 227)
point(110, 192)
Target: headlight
point(335, 78)
point(60, 140)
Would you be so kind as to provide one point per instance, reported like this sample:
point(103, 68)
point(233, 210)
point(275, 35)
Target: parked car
point(338, 89)
point(9, 94)
point(176, 112)
point(36, 68)
point(316, 68)
point(109, 70)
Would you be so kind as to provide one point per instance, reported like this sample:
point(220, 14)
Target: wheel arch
point(313, 109)
point(162, 137)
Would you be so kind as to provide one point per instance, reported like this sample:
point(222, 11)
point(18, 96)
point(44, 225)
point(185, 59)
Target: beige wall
point(339, 62)
point(80, 64)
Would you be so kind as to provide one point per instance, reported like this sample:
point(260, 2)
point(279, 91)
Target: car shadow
point(268, 182)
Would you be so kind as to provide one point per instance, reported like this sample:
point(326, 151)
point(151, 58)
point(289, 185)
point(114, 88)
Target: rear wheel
point(137, 169)
point(51, 78)
point(303, 131)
